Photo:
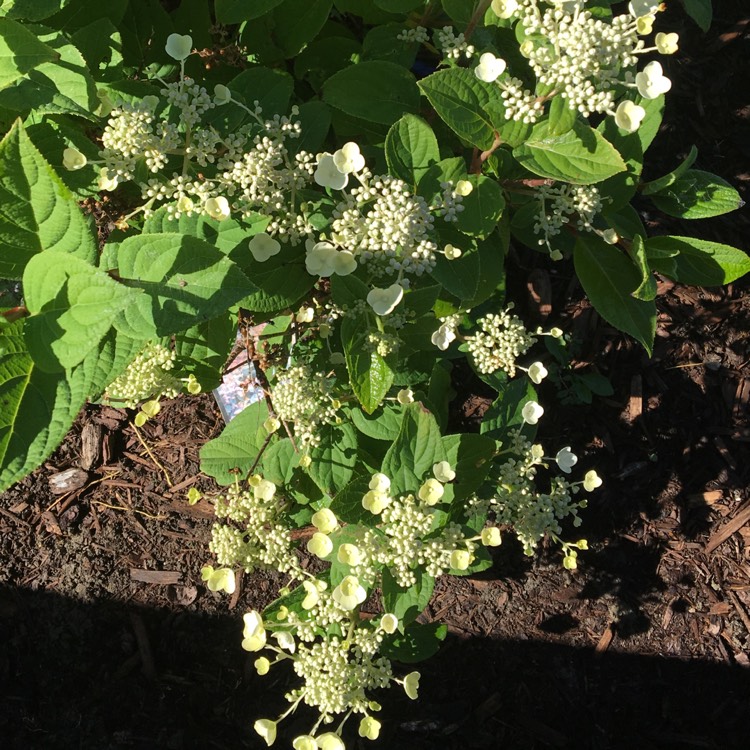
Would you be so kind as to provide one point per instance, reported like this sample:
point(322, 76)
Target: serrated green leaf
point(609, 279)
point(483, 207)
point(561, 116)
point(272, 89)
point(347, 505)
point(415, 451)
point(334, 458)
point(620, 188)
point(369, 373)
point(73, 305)
point(37, 212)
point(410, 149)
point(407, 604)
point(203, 349)
point(32, 10)
point(647, 288)
point(419, 642)
point(383, 424)
point(230, 456)
point(697, 262)
point(581, 156)
point(298, 22)
point(373, 90)
point(470, 456)
point(20, 52)
point(697, 195)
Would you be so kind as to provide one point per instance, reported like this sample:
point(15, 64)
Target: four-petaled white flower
point(411, 684)
point(537, 372)
point(380, 483)
point(73, 159)
point(217, 208)
point(218, 580)
point(461, 559)
point(254, 634)
point(629, 116)
point(286, 641)
point(320, 545)
point(348, 159)
point(349, 554)
point(504, 8)
point(443, 336)
point(490, 67)
point(532, 412)
point(463, 188)
point(385, 301)
point(266, 729)
point(369, 727)
point(443, 472)
point(305, 315)
point(405, 396)
point(344, 263)
point(107, 181)
point(431, 492)
point(491, 537)
point(263, 246)
point(349, 593)
point(667, 44)
point(566, 459)
point(376, 502)
point(451, 252)
point(325, 520)
point(651, 81)
point(329, 175)
point(179, 47)
point(591, 481)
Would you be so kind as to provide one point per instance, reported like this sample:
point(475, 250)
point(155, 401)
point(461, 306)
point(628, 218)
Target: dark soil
point(645, 646)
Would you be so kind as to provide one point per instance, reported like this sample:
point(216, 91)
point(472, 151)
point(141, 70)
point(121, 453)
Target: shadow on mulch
point(74, 675)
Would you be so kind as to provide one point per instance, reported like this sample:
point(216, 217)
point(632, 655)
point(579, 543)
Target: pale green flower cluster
point(451, 45)
point(259, 539)
point(303, 397)
point(147, 376)
point(502, 340)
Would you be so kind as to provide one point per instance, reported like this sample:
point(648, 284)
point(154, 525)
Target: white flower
point(537, 453)
point(325, 520)
point(217, 208)
point(305, 315)
point(349, 593)
point(411, 684)
point(451, 252)
point(329, 175)
point(349, 554)
point(330, 741)
point(376, 502)
point(504, 8)
point(566, 459)
point(405, 396)
point(489, 68)
point(264, 490)
point(531, 412)
point(254, 634)
point(262, 246)
point(389, 623)
point(222, 95)
point(185, 204)
point(629, 116)
point(369, 727)
point(313, 595)
point(460, 559)
point(179, 47)
point(286, 641)
point(591, 481)
point(645, 24)
point(443, 336)
point(320, 259)
point(385, 301)
point(380, 483)
point(556, 333)
point(272, 424)
point(443, 472)
point(348, 159)
point(651, 81)
point(463, 188)
point(105, 181)
point(305, 742)
point(320, 545)
point(491, 537)
point(265, 727)
point(667, 44)
point(344, 263)
point(218, 580)
point(640, 8)
point(431, 492)
point(537, 372)
point(73, 159)
point(262, 665)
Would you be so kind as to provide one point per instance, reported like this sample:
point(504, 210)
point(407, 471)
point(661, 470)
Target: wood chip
point(540, 292)
point(635, 405)
point(606, 640)
point(67, 481)
point(161, 577)
point(91, 445)
point(50, 523)
point(730, 527)
point(705, 498)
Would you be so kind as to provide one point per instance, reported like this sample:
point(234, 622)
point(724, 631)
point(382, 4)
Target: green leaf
point(415, 451)
point(59, 87)
point(407, 604)
point(323, 57)
point(315, 118)
point(697, 195)
point(298, 22)
point(382, 43)
point(561, 116)
point(383, 424)
point(237, 11)
point(73, 305)
point(492, 264)
point(470, 455)
point(185, 281)
point(204, 348)
point(581, 156)
point(410, 148)
point(696, 262)
point(20, 52)
point(272, 89)
point(483, 207)
point(399, 6)
point(637, 252)
point(419, 642)
point(347, 505)
point(461, 100)
point(231, 455)
point(505, 413)
point(37, 212)
point(459, 277)
point(374, 90)
point(620, 188)
point(37, 408)
point(32, 10)
point(649, 128)
point(656, 186)
point(609, 279)
point(700, 11)
point(333, 460)
point(369, 373)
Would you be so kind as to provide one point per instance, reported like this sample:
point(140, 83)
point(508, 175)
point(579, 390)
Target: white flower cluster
point(453, 46)
point(385, 227)
point(302, 397)
point(449, 204)
point(502, 340)
point(147, 376)
point(260, 540)
point(564, 202)
point(418, 34)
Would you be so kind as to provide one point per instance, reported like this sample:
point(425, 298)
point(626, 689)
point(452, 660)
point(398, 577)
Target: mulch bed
point(108, 639)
